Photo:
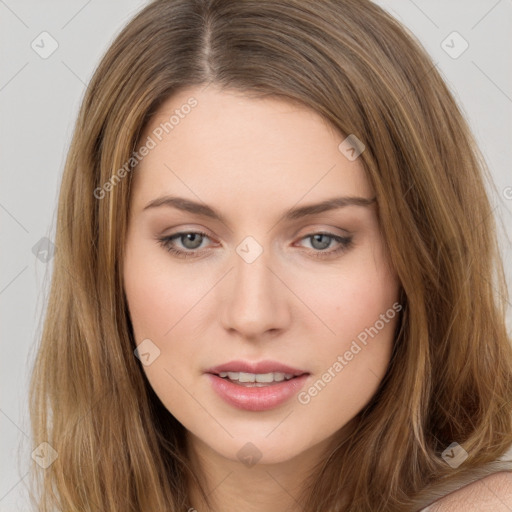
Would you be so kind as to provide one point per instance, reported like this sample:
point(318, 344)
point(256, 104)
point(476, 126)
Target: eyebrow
point(202, 209)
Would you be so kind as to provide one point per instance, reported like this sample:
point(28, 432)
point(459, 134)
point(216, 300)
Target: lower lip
point(256, 398)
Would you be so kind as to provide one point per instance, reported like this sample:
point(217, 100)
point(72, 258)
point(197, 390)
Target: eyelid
point(185, 228)
point(322, 228)
point(308, 231)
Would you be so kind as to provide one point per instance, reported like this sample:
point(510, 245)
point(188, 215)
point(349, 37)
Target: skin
point(490, 493)
point(252, 159)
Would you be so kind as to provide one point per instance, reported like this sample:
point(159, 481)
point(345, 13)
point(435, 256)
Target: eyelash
point(166, 242)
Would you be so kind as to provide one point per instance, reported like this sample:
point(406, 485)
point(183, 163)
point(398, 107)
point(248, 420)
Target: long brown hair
point(449, 379)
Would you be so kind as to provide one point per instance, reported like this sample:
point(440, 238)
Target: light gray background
point(39, 99)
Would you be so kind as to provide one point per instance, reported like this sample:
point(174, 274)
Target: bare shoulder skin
point(492, 493)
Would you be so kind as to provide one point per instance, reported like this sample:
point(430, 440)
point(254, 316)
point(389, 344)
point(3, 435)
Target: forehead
point(223, 143)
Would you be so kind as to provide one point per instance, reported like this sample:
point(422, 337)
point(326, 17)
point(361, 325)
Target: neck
point(231, 485)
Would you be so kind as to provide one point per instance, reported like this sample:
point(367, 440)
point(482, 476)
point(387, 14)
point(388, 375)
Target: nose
point(257, 302)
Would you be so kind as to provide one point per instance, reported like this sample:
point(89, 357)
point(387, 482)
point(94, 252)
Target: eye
point(190, 240)
point(321, 241)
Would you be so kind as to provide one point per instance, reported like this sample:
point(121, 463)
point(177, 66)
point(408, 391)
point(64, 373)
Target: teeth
point(256, 377)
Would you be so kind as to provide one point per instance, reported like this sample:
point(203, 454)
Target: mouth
point(259, 374)
point(257, 392)
point(257, 379)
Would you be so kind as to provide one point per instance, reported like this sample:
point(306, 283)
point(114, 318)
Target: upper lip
point(259, 367)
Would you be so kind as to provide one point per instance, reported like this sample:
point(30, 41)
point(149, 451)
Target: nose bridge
point(252, 279)
point(256, 304)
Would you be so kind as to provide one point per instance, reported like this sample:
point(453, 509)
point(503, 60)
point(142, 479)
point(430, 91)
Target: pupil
point(321, 245)
point(190, 237)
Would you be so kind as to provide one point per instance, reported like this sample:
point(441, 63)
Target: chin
point(257, 448)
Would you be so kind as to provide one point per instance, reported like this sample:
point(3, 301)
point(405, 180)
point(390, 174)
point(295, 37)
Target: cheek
point(161, 305)
point(158, 298)
point(359, 311)
point(353, 298)
point(167, 305)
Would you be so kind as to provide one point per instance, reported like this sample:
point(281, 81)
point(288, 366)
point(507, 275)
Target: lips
point(260, 367)
point(256, 399)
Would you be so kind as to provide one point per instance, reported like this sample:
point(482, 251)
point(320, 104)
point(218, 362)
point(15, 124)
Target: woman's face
point(261, 275)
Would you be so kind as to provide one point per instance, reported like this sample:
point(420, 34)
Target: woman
point(274, 288)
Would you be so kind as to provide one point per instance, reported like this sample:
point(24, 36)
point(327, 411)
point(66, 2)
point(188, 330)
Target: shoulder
point(493, 492)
